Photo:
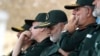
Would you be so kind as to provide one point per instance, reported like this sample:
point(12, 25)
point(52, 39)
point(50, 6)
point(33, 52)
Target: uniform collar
point(44, 41)
point(89, 25)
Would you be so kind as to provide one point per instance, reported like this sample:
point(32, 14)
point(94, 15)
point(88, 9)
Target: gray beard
point(55, 38)
point(96, 12)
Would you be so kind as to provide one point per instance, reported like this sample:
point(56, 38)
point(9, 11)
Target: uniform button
point(95, 32)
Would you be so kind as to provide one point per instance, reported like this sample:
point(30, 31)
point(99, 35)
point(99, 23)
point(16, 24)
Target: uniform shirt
point(85, 47)
point(36, 49)
point(96, 51)
point(22, 52)
point(69, 43)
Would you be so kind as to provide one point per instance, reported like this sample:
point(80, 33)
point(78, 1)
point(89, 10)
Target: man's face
point(35, 32)
point(56, 31)
point(96, 11)
point(80, 13)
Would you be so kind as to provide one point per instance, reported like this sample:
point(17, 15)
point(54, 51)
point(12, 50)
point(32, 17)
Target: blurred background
point(18, 10)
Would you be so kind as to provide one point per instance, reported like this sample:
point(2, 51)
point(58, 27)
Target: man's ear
point(89, 12)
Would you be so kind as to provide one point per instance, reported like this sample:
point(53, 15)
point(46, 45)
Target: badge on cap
point(47, 16)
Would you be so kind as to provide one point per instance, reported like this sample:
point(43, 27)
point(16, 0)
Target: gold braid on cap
point(44, 23)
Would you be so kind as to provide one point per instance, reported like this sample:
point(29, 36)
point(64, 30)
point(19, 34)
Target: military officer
point(76, 30)
point(84, 45)
point(41, 17)
point(57, 18)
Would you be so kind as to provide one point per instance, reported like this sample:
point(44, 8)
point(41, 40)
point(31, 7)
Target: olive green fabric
point(76, 38)
point(41, 17)
point(36, 49)
point(96, 49)
point(69, 42)
point(50, 50)
point(80, 3)
point(97, 46)
point(86, 47)
point(53, 17)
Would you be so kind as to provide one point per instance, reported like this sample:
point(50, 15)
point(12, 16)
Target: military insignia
point(47, 16)
point(44, 24)
point(89, 36)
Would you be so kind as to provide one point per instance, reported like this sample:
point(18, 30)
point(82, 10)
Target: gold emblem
point(47, 16)
point(44, 24)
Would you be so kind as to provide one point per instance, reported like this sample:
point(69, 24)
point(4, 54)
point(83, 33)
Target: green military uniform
point(69, 42)
point(86, 47)
point(96, 49)
point(36, 49)
point(41, 17)
point(52, 49)
point(54, 17)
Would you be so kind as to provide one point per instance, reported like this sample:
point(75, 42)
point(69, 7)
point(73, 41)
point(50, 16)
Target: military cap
point(53, 17)
point(79, 3)
point(26, 26)
point(41, 17)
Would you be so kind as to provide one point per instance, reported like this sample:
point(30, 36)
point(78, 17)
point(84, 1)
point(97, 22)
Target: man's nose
point(30, 28)
point(73, 12)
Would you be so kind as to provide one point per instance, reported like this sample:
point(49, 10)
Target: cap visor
point(17, 29)
point(73, 6)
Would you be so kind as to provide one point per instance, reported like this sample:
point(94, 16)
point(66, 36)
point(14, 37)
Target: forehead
point(55, 26)
point(35, 23)
point(79, 8)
